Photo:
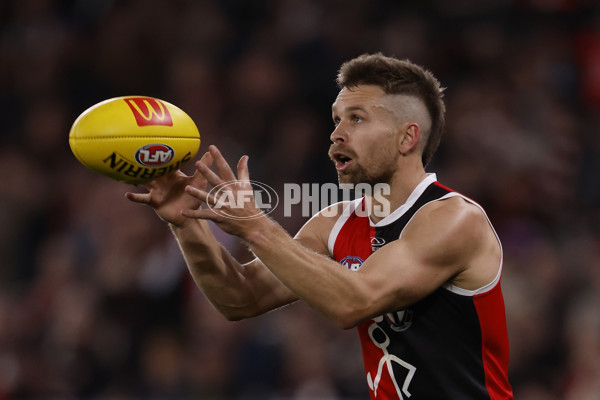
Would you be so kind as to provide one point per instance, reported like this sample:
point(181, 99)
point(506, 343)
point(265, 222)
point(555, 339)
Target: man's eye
point(336, 121)
point(356, 119)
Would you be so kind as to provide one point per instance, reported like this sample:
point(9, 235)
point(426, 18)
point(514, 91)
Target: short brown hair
point(396, 76)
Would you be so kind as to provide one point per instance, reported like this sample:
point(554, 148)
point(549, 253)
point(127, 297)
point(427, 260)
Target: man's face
point(364, 147)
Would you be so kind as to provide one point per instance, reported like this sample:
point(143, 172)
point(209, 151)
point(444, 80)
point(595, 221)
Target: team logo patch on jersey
point(377, 242)
point(400, 320)
point(353, 263)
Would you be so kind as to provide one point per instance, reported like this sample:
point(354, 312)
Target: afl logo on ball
point(154, 155)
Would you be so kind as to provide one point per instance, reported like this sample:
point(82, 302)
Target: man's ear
point(409, 138)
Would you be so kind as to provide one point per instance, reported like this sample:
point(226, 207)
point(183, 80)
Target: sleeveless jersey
point(452, 344)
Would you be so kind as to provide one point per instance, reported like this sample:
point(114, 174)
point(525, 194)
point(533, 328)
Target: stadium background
point(95, 301)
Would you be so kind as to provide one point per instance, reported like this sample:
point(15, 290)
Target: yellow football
point(134, 139)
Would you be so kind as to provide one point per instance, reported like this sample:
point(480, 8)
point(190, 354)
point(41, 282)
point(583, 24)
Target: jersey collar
point(414, 196)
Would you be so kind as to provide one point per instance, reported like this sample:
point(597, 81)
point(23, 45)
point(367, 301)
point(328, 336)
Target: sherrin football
point(134, 139)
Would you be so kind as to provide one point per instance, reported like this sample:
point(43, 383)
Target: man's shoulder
point(455, 214)
point(336, 210)
point(329, 216)
point(461, 207)
point(315, 233)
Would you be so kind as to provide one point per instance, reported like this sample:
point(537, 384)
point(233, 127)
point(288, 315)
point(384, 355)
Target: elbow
point(235, 314)
point(240, 312)
point(233, 317)
point(346, 324)
point(349, 317)
point(349, 321)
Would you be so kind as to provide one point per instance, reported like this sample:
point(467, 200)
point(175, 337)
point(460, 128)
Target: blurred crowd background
point(95, 299)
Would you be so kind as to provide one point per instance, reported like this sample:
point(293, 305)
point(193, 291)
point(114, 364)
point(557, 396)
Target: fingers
point(142, 198)
point(208, 213)
point(200, 195)
point(224, 170)
point(242, 169)
point(207, 159)
point(208, 174)
point(198, 179)
point(164, 180)
point(225, 174)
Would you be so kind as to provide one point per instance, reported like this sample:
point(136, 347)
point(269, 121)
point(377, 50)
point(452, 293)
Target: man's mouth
point(342, 161)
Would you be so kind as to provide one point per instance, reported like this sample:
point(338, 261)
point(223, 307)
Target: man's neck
point(381, 204)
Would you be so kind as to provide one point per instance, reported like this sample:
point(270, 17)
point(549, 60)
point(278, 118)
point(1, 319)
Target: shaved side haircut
point(396, 76)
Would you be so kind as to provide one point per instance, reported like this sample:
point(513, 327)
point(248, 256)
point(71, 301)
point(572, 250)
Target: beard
point(381, 172)
point(358, 174)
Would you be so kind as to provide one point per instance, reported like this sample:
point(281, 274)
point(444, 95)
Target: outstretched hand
point(231, 203)
point(167, 194)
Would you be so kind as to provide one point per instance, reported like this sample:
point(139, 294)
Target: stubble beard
point(358, 174)
point(382, 171)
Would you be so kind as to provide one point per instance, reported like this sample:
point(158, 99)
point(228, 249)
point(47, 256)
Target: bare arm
point(240, 290)
point(439, 245)
point(446, 241)
point(236, 290)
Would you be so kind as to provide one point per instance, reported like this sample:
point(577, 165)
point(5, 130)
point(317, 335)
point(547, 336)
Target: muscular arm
point(237, 291)
point(446, 240)
point(240, 290)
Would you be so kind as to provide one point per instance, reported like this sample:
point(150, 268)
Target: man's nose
point(339, 134)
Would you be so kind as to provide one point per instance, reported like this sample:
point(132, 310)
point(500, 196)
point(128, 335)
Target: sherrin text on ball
point(134, 139)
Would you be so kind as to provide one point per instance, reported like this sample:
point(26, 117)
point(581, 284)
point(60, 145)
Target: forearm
point(321, 282)
point(222, 279)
